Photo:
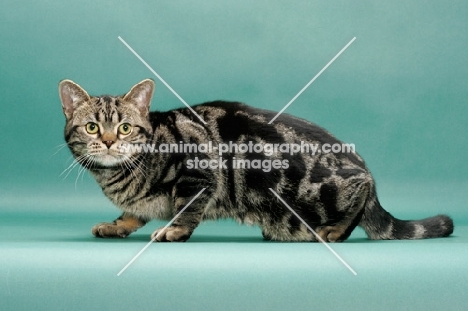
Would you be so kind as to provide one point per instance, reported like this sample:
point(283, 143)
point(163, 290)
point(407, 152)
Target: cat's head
point(97, 127)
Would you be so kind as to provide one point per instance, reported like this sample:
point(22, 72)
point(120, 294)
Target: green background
point(399, 93)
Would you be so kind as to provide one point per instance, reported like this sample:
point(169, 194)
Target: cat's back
point(235, 120)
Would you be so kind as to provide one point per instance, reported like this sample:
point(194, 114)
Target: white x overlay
point(271, 121)
point(160, 232)
point(311, 81)
point(313, 231)
point(161, 79)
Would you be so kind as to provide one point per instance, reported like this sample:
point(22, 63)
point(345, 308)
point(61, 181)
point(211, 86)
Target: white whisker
point(137, 164)
point(59, 148)
point(88, 159)
point(72, 166)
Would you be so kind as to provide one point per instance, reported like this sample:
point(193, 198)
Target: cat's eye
point(92, 128)
point(125, 129)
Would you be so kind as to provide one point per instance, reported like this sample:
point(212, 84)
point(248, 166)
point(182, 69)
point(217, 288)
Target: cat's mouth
point(106, 159)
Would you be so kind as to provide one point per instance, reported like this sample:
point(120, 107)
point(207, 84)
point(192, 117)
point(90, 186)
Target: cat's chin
point(108, 161)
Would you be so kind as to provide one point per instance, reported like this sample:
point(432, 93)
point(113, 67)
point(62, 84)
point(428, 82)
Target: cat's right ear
point(71, 95)
point(140, 95)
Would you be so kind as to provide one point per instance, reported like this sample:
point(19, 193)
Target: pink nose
point(108, 143)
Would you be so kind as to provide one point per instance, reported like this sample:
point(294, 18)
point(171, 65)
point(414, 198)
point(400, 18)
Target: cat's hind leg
point(350, 201)
point(119, 228)
point(333, 213)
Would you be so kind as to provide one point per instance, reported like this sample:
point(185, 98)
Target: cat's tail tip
point(433, 227)
point(383, 226)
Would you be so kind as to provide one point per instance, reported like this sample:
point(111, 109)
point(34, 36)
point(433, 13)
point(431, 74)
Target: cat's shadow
point(144, 238)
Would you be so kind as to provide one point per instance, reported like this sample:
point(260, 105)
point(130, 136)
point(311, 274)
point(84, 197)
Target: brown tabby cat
point(332, 192)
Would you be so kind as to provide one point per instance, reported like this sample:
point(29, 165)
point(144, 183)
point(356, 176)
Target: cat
point(333, 192)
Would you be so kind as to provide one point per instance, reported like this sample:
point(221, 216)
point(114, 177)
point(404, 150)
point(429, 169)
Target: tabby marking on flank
point(333, 192)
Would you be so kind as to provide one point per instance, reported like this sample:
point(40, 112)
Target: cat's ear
point(71, 95)
point(140, 95)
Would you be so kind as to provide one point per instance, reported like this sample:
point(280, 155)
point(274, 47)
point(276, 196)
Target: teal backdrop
point(399, 93)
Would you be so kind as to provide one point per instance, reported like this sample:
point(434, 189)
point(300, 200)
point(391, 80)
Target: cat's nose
point(108, 143)
point(108, 138)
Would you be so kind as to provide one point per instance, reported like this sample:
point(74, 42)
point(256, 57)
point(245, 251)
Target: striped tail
point(380, 225)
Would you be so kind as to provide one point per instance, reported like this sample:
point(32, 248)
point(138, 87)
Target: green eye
point(92, 128)
point(125, 129)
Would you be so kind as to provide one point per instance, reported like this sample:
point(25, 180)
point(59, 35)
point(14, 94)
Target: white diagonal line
point(311, 81)
point(161, 231)
point(161, 79)
point(315, 233)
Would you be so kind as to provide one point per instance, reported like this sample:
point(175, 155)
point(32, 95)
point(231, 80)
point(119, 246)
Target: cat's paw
point(110, 230)
point(332, 233)
point(172, 234)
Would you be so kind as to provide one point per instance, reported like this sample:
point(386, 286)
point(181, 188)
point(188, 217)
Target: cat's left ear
point(140, 95)
point(71, 95)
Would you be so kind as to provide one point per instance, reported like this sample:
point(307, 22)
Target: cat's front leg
point(184, 225)
point(119, 228)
